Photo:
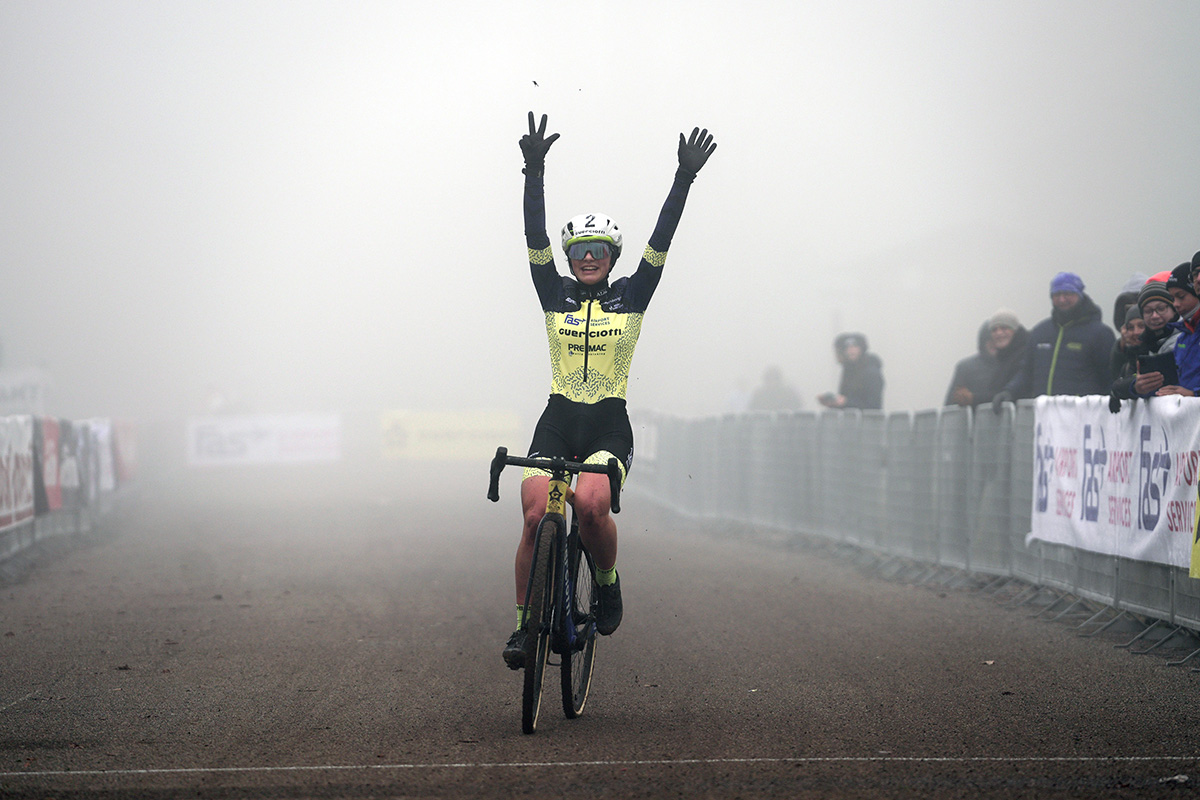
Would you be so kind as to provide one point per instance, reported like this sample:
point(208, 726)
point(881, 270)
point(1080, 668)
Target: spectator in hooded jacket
point(977, 378)
point(1068, 351)
point(862, 375)
point(1126, 299)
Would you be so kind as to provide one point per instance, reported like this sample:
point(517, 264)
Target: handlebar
point(556, 465)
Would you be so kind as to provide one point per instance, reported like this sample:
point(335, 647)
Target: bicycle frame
point(551, 590)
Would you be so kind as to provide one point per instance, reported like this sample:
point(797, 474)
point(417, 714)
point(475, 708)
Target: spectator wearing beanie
point(1187, 346)
point(1068, 352)
point(1001, 344)
point(1123, 362)
point(1158, 312)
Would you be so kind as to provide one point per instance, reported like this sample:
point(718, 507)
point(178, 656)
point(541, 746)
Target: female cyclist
point(592, 326)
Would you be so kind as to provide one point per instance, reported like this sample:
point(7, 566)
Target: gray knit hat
point(1003, 318)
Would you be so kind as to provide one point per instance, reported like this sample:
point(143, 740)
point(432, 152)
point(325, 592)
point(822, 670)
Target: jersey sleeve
point(645, 280)
point(541, 258)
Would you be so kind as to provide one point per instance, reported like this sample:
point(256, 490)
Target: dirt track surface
point(262, 650)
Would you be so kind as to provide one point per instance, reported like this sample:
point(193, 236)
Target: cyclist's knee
point(592, 508)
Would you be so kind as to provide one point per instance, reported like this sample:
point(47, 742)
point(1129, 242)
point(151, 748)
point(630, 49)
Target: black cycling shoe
point(514, 651)
point(608, 607)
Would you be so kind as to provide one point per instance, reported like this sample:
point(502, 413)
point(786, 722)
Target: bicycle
point(560, 598)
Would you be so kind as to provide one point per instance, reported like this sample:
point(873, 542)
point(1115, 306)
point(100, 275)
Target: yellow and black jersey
point(593, 330)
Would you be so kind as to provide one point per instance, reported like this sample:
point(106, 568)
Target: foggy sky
point(316, 206)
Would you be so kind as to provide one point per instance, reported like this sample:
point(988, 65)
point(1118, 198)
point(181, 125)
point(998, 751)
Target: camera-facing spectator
point(977, 378)
point(1068, 352)
point(861, 385)
point(1128, 346)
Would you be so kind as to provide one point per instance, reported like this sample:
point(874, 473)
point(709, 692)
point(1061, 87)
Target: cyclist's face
point(590, 271)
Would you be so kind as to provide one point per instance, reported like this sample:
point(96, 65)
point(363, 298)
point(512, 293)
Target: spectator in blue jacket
point(1187, 346)
point(1068, 352)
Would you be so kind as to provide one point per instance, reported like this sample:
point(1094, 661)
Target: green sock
point(606, 577)
point(520, 615)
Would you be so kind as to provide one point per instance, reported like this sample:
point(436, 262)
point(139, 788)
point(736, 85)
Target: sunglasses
point(597, 250)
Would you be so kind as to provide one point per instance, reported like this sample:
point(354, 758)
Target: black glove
point(1114, 404)
point(534, 146)
point(999, 400)
point(695, 151)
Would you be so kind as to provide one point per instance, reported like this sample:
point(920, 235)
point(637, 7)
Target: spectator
point(1158, 312)
point(862, 375)
point(1123, 361)
point(1187, 346)
point(1068, 351)
point(1127, 297)
point(977, 378)
point(773, 394)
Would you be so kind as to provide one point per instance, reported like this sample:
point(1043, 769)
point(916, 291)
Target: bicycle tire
point(577, 664)
point(539, 609)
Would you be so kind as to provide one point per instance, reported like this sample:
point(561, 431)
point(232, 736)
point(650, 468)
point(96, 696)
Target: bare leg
point(596, 526)
point(533, 507)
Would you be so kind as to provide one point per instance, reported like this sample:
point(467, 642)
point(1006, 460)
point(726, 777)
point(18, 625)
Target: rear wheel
point(538, 613)
point(577, 661)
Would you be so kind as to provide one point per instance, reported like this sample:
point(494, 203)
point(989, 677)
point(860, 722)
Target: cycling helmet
point(592, 228)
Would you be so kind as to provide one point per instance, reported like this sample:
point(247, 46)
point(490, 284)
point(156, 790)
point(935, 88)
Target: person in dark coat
point(1123, 362)
point(862, 375)
point(1068, 352)
point(1001, 345)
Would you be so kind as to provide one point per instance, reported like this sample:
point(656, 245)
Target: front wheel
point(538, 616)
point(578, 660)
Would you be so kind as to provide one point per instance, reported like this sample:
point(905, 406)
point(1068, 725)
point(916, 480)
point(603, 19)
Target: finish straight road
point(352, 649)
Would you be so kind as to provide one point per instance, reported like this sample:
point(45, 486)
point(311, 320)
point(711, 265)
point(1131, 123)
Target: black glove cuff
point(534, 168)
point(685, 175)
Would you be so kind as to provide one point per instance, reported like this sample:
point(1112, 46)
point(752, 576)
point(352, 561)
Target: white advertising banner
point(16, 470)
point(1119, 484)
point(264, 439)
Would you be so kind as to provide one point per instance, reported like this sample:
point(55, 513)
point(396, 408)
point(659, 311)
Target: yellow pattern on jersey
point(609, 339)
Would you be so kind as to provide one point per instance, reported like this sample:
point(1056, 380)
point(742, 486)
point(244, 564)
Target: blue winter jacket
point(1187, 351)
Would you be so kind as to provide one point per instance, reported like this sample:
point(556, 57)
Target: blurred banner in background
point(264, 439)
point(448, 435)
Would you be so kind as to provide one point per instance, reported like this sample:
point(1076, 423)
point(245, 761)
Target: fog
point(316, 207)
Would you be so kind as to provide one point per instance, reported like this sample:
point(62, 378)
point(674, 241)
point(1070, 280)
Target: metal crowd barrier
point(946, 488)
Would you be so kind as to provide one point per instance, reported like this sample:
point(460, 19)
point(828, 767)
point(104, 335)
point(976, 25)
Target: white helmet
point(592, 228)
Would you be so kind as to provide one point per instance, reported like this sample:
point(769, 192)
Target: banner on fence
point(1119, 484)
point(47, 486)
point(452, 435)
point(16, 470)
point(266, 439)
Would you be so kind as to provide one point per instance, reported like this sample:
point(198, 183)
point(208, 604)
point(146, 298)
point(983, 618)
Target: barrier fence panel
point(871, 478)
point(952, 480)
point(989, 536)
point(1026, 562)
point(804, 461)
point(900, 498)
point(924, 466)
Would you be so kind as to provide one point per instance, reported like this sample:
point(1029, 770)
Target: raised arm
point(693, 153)
point(534, 146)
